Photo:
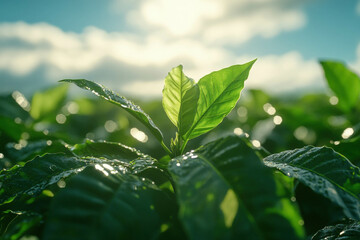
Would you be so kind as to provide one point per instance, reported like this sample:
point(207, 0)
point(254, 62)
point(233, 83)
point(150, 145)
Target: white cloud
point(221, 22)
point(180, 17)
point(142, 63)
point(266, 23)
point(286, 73)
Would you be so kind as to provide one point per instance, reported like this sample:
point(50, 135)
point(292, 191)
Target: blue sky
point(131, 45)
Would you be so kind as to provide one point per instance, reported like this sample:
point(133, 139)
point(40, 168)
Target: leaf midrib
point(201, 117)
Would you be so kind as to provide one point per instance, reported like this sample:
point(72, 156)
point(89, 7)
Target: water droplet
point(61, 183)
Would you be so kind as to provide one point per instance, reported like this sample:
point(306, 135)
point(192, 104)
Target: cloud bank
point(137, 63)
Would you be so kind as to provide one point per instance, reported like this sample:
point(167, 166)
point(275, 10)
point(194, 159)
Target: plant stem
point(166, 148)
point(183, 146)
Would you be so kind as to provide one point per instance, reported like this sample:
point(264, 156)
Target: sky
point(130, 46)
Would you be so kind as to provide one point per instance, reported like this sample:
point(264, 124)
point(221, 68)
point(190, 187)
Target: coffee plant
point(213, 174)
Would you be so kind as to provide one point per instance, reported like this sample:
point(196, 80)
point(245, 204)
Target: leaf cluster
point(228, 187)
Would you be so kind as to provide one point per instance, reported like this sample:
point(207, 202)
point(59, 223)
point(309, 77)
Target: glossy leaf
point(113, 97)
point(216, 199)
point(180, 96)
point(325, 172)
point(105, 204)
point(45, 104)
point(36, 175)
point(108, 150)
point(36, 148)
point(344, 231)
point(343, 82)
point(219, 93)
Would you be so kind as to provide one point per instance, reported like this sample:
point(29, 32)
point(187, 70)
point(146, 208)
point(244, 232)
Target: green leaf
point(108, 150)
point(36, 148)
point(10, 107)
point(325, 172)
point(106, 204)
point(36, 175)
point(11, 128)
point(225, 192)
point(343, 82)
point(350, 149)
point(180, 95)
point(113, 97)
point(44, 105)
point(219, 93)
point(343, 231)
point(19, 224)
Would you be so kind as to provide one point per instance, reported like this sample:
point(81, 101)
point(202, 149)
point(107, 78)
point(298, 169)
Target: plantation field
point(198, 164)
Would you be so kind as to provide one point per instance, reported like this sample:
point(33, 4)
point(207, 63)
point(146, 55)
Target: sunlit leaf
point(343, 82)
point(33, 149)
point(45, 104)
point(102, 204)
point(344, 231)
point(113, 97)
point(224, 191)
point(36, 175)
point(219, 92)
point(108, 150)
point(180, 96)
point(325, 172)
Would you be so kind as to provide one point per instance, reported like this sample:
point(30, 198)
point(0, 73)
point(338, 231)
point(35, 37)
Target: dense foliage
point(270, 168)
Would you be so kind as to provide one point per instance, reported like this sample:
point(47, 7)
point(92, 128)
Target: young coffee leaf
point(343, 82)
point(216, 200)
point(325, 172)
point(344, 231)
point(105, 204)
point(113, 97)
point(180, 96)
point(219, 92)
